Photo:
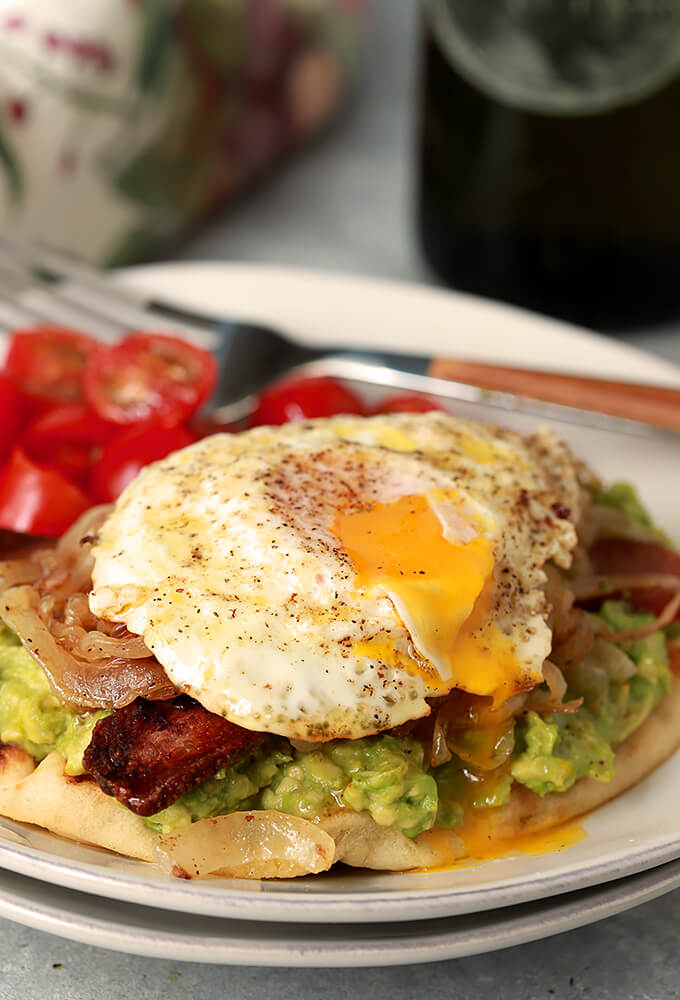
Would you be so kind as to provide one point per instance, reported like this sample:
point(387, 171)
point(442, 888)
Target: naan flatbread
point(77, 808)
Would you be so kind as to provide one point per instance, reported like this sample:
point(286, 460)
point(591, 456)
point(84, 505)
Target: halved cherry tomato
point(14, 413)
point(129, 452)
point(409, 402)
point(68, 438)
point(304, 398)
point(147, 376)
point(617, 555)
point(36, 500)
point(46, 363)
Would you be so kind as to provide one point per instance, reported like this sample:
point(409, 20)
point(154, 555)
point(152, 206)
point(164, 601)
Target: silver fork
point(38, 284)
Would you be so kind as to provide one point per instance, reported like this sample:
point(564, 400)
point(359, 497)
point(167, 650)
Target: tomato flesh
point(36, 500)
point(409, 402)
point(148, 376)
point(293, 400)
point(46, 363)
point(68, 438)
point(78, 419)
point(127, 454)
point(14, 413)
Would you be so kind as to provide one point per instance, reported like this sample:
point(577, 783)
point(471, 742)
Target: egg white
point(228, 558)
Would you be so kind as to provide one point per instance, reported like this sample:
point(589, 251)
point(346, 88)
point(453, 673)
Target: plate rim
point(231, 288)
point(490, 931)
point(250, 905)
point(272, 906)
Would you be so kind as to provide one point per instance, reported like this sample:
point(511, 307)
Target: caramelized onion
point(444, 732)
point(572, 630)
point(89, 663)
point(77, 612)
point(102, 683)
point(589, 587)
point(439, 752)
point(557, 688)
point(554, 678)
point(84, 529)
point(93, 645)
point(617, 664)
point(667, 617)
point(577, 643)
point(607, 522)
point(305, 746)
point(14, 572)
point(261, 844)
point(559, 598)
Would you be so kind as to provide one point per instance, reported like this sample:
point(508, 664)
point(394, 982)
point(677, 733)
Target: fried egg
point(322, 580)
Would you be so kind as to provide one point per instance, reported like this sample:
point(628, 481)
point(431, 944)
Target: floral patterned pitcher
point(125, 122)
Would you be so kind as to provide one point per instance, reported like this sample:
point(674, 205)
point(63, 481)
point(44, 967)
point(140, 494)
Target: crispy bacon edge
point(149, 753)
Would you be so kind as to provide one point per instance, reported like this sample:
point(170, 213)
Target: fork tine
point(12, 317)
point(46, 286)
point(49, 266)
point(130, 316)
point(25, 300)
point(49, 306)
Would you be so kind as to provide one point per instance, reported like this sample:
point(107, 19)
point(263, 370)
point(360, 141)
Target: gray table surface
point(344, 205)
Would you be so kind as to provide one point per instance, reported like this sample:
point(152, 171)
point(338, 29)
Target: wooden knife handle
point(654, 404)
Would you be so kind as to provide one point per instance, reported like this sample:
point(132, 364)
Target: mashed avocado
point(30, 715)
point(231, 789)
point(623, 498)
point(386, 776)
point(620, 685)
point(381, 775)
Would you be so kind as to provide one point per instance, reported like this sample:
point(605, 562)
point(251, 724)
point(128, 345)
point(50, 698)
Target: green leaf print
point(15, 186)
point(159, 18)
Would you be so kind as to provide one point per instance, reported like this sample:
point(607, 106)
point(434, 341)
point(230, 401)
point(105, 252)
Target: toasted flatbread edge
point(76, 808)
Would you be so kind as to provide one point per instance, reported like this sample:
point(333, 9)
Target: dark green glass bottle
point(550, 154)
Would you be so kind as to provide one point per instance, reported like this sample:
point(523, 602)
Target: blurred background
point(525, 150)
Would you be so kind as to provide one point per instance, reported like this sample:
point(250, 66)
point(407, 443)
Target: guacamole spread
point(613, 689)
point(620, 685)
point(385, 776)
point(31, 717)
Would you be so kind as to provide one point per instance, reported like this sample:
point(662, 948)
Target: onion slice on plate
point(259, 844)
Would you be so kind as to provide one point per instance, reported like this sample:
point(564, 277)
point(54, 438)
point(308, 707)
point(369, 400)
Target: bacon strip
point(667, 617)
point(149, 753)
point(613, 557)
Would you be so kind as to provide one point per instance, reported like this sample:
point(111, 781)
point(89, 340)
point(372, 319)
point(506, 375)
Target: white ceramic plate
point(638, 831)
point(140, 930)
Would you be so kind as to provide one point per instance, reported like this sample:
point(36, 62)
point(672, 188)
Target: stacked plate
point(348, 918)
point(631, 847)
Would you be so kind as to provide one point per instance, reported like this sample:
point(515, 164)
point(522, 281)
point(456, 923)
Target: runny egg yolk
point(440, 589)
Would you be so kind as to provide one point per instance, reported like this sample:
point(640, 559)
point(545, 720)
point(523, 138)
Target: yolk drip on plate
point(440, 589)
point(481, 844)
